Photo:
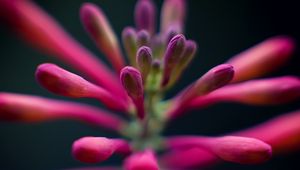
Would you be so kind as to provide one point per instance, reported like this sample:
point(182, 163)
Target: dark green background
point(221, 28)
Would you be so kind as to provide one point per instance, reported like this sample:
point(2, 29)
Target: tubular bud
point(62, 82)
point(230, 148)
point(129, 38)
point(95, 22)
point(144, 61)
point(143, 38)
point(172, 56)
point(145, 14)
point(144, 160)
point(26, 108)
point(98, 149)
point(132, 82)
point(173, 13)
point(262, 58)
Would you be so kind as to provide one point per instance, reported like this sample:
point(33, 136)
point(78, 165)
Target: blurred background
point(221, 29)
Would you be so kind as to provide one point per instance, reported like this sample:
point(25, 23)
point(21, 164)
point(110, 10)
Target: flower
point(157, 63)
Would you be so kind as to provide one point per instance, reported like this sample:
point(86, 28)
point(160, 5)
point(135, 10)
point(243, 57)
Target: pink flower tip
point(242, 150)
point(62, 82)
point(93, 149)
point(142, 161)
point(131, 80)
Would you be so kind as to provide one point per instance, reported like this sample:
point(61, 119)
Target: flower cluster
point(157, 61)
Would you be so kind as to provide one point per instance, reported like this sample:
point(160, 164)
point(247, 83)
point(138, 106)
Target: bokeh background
point(221, 28)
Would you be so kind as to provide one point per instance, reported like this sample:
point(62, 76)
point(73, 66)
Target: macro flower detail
point(157, 60)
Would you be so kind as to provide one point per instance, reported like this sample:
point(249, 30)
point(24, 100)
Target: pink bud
point(213, 79)
point(141, 161)
point(62, 82)
point(99, 28)
point(132, 82)
point(282, 133)
point(145, 13)
point(39, 29)
point(26, 108)
point(143, 38)
point(230, 148)
point(172, 56)
point(262, 58)
point(255, 92)
point(144, 60)
point(129, 38)
point(173, 13)
point(98, 149)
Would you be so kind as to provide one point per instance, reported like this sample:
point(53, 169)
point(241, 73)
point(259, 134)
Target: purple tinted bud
point(132, 82)
point(172, 56)
point(145, 13)
point(129, 38)
point(144, 61)
point(143, 38)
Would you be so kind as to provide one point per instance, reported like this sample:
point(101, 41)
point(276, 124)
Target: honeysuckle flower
point(157, 61)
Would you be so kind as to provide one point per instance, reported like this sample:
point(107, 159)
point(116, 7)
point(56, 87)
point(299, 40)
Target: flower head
point(157, 60)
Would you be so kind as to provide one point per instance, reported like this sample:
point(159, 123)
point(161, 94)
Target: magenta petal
point(192, 158)
point(262, 58)
point(41, 30)
point(62, 82)
point(271, 91)
point(144, 160)
point(98, 149)
point(282, 133)
point(95, 22)
point(230, 148)
point(26, 108)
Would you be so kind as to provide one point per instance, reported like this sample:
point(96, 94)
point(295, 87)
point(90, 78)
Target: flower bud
point(184, 61)
point(132, 82)
point(143, 38)
point(62, 82)
point(145, 14)
point(173, 13)
point(142, 161)
point(262, 58)
point(26, 108)
point(129, 37)
point(144, 61)
point(172, 56)
point(230, 148)
point(98, 27)
point(97, 149)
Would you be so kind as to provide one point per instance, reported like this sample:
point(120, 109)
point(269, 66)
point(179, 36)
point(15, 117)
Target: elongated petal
point(262, 58)
point(256, 92)
point(172, 56)
point(192, 158)
point(98, 27)
point(230, 148)
point(129, 39)
point(144, 160)
point(145, 14)
point(210, 81)
point(41, 30)
point(132, 82)
point(62, 82)
point(173, 13)
point(26, 108)
point(98, 149)
point(282, 133)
